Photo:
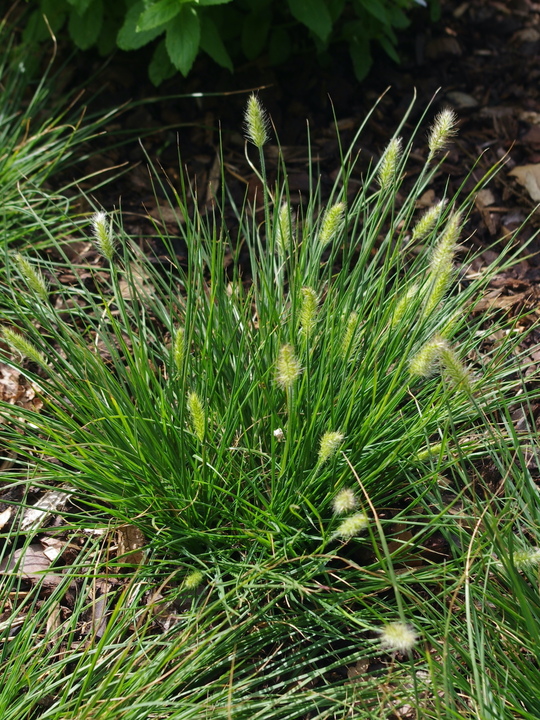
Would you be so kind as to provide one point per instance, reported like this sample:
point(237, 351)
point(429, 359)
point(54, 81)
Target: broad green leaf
point(335, 8)
point(376, 8)
point(360, 56)
point(161, 67)
point(313, 14)
point(158, 14)
point(84, 29)
point(279, 46)
point(389, 48)
point(36, 29)
point(398, 18)
point(255, 32)
point(81, 6)
point(212, 44)
point(213, 2)
point(183, 39)
point(128, 38)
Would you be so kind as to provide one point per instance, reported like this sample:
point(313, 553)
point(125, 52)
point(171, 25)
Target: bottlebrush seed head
point(308, 310)
point(345, 501)
point(178, 348)
point(424, 363)
point(196, 411)
point(398, 637)
point(441, 131)
point(103, 235)
point(352, 526)
point(287, 367)
point(389, 163)
point(428, 221)
point(24, 347)
point(330, 442)
point(256, 122)
point(332, 223)
point(284, 231)
point(33, 278)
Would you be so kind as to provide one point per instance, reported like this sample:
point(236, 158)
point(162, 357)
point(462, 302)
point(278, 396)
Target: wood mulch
point(481, 58)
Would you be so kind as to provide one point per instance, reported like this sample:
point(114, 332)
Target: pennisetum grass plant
point(288, 445)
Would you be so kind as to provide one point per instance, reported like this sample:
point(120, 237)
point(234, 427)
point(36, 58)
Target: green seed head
point(332, 223)
point(527, 558)
point(284, 232)
point(424, 363)
point(403, 303)
point(196, 411)
point(350, 339)
point(256, 122)
point(330, 442)
point(389, 163)
point(33, 278)
point(193, 580)
point(308, 310)
point(178, 349)
point(19, 343)
point(352, 526)
point(441, 131)
point(287, 367)
point(428, 221)
point(441, 265)
point(455, 371)
point(345, 501)
point(103, 235)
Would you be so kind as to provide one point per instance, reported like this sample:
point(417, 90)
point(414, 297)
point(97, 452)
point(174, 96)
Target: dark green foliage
point(226, 30)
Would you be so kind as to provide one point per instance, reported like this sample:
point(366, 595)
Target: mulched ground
point(481, 58)
point(482, 54)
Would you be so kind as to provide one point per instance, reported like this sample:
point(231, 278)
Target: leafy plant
point(223, 29)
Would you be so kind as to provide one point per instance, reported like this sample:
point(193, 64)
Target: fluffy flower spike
point(23, 346)
point(196, 411)
point(178, 348)
point(330, 442)
point(101, 228)
point(256, 122)
point(193, 580)
point(345, 501)
point(352, 526)
point(308, 310)
point(350, 336)
point(287, 368)
point(424, 363)
point(398, 637)
point(428, 221)
point(441, 131)
point(284, 231)
point(389, 163)
point(332, 223)
point(33, 278)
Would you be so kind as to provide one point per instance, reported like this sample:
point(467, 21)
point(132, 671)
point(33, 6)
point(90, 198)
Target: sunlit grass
point(291, 436)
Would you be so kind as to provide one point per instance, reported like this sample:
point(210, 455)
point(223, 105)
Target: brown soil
point(482, 57)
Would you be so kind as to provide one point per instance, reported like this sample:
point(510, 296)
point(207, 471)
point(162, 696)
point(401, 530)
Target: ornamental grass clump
point(228, 409)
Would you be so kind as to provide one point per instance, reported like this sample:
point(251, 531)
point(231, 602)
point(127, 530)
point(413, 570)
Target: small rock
point(461, 99)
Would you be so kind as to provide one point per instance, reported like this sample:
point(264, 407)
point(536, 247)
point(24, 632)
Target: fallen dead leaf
point(130, 542)
point(51, 502)
point(529, 177)
point(32, 564)
point(5, 516)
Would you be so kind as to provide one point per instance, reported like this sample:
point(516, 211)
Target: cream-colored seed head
point(256, 122)
point(288, 367)
point(398, 637)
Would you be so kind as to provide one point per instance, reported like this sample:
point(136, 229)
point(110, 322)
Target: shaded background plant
point(226, 30)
